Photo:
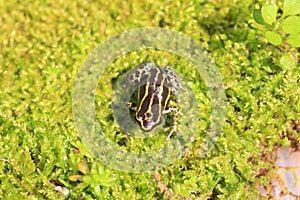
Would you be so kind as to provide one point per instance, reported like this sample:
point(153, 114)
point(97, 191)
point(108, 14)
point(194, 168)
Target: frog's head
point(149, 119)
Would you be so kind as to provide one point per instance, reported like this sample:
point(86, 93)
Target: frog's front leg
point(131, 105)
point(173, 129)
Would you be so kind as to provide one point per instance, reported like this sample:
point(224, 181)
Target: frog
point(156, 86)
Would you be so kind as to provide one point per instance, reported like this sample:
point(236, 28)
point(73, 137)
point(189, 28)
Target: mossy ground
point(44, 43)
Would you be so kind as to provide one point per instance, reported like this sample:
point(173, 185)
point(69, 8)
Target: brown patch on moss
point(272, 156)
point(296, 125)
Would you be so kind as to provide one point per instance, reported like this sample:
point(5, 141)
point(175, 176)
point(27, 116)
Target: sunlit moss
point(42, 47)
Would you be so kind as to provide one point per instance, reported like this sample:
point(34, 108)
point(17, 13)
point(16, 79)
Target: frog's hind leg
point(173, 81)
point(140, 72)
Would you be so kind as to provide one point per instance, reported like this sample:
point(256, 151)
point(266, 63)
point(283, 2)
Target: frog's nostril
point(148, 116)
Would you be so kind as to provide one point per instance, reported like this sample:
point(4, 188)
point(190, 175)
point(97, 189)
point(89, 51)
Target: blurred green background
point(44, 43)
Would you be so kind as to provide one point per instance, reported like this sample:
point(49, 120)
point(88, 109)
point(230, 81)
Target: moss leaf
point(291, 25)
point(273, 38)
point(294, 40)
point(269, 13)
point(291, 7)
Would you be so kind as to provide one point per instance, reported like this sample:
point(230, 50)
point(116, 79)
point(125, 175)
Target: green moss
point(42, 48)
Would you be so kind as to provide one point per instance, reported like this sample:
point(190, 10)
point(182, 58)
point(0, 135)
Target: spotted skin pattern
point(156, 87)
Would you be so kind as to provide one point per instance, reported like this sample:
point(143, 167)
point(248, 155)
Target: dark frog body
point(156, 87)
